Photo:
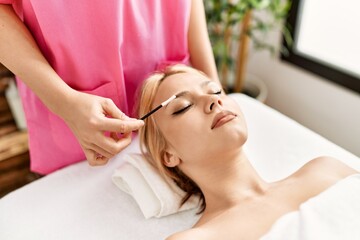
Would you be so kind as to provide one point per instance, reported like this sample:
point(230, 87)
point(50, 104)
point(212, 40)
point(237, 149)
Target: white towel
point(333, 214)
point(155, 196)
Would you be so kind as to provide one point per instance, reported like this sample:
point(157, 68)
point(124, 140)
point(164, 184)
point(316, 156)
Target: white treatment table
point(81, 202)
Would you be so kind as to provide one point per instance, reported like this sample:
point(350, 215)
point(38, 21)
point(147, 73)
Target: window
point(327, 39)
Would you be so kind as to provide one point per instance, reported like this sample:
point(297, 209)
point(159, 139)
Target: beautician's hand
point(90, 117)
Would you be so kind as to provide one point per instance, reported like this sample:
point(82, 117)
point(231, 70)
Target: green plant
point(233, 23)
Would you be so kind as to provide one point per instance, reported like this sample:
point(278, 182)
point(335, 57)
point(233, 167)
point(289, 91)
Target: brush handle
point(158, 107)
point(151, 112)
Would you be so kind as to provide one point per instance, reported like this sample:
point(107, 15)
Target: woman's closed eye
point(187, 107)
point(182, 110)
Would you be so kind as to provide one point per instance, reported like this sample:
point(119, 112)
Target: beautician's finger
point(101, 160)
point(90, 156)
point(95, 159)
point(101, 151)
point(114, 146)
point(121, 126)
point(111, 109)
point(114, 136)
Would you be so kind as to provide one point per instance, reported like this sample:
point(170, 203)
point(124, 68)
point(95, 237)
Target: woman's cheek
point(190, 129)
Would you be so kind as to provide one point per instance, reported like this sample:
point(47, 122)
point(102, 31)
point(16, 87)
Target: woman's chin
point(232, 139)
point(232, 133)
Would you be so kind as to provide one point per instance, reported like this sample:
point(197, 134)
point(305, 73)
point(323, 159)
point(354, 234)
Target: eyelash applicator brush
point(163, 104)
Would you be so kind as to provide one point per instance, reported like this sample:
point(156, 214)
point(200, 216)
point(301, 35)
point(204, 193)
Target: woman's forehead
point(179, 81)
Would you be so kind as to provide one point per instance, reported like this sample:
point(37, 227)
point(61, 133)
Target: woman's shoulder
point(193, 233)
point(326, 166)
point(322, 172)
point(317, 175)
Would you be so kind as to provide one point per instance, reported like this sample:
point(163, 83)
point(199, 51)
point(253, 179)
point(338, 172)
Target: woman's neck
point(228, 181)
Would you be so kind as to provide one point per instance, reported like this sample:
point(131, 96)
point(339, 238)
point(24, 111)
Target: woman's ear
point(171, 160)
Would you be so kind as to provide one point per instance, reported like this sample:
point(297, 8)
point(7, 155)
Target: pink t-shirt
point(102, 47)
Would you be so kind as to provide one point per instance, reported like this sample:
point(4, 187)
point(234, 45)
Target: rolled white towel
point(155, 196)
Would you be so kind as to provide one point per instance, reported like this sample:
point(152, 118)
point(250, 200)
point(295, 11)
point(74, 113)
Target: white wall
point(324, 107)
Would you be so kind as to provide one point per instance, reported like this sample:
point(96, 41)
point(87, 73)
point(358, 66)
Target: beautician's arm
point(201, 54)
point(83, 113)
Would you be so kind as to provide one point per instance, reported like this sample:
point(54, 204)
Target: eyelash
point(182, 110)
point(188, 106)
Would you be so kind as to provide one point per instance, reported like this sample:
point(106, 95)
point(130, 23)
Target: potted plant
point(232, 24)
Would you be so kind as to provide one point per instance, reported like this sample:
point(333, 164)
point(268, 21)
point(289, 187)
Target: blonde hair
point(153, 143)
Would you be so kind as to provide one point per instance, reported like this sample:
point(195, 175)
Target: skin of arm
point(21, 55)
point(201, 55)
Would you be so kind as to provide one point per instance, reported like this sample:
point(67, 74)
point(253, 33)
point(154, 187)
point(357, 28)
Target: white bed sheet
point(81, 202)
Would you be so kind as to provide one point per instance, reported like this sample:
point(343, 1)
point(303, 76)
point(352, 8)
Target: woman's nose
point(213, 103)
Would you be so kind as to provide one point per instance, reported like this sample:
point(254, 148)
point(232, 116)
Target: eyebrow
point(184, 93)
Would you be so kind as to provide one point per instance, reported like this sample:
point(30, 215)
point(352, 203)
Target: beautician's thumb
point(112, 110)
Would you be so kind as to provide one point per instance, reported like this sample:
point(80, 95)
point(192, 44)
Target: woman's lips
point(221, 118)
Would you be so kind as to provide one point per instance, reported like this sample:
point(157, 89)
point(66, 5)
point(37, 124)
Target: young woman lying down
point(197, 140)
